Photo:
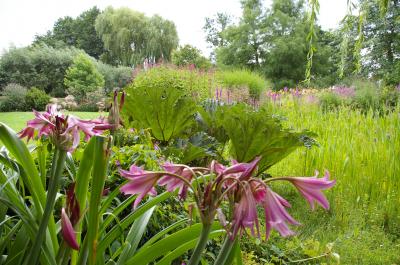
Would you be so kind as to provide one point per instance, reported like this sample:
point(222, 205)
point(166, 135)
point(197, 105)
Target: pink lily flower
point(310, 188)
point(141, 183)
point(245, 213)
point(67, 231)
point(171, 183)
point(275, 214)
point(63, 131)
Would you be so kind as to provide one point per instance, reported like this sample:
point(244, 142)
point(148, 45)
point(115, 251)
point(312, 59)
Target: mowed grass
point(17, 120)
point(362, 152)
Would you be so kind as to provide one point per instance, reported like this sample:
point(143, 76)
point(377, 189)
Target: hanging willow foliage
point(311, 37)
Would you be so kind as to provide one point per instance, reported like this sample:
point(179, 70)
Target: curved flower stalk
point(233, 187)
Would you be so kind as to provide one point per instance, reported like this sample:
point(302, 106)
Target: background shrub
point(192, 82)
point(14, 98)
point(243, 78)
point(36, 99)
point(330, 101)
point(114, 76)
point(189, 55)
point(38, 66)
point(366, 97)
point(82, 77)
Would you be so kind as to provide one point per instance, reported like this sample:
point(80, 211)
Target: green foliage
point(273, 41)
point(15, 98)
point(36, 99)
point(114, 76)
point(189, 55)
point(256, 133)
point(243, 78)
point(330, 101)
point(193, 83)
point(367, 98)
point(38, 66)
point(82, 77)
point(130, 36)
point(165, 109)
point(78, 32)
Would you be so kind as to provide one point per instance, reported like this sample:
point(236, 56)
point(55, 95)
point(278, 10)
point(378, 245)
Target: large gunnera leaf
point(168, 112)
point(256, 133)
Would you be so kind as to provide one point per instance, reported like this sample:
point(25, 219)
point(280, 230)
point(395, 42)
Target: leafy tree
point(130, 37)
point(82, 77)
point(382, 39)
point(189, 55)
point(79, 32)
point(245, 41)
point(162, 39)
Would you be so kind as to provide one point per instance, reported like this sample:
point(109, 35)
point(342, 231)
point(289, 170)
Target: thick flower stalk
point(64, 133)
point(225, 187)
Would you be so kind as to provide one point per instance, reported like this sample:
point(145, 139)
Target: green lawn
point(17, 120)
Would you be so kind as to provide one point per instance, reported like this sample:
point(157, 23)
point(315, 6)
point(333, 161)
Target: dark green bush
point(38, 66)
point(36, 99)
point(14, 98)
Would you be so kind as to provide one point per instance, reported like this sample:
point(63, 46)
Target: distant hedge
point(45, 67)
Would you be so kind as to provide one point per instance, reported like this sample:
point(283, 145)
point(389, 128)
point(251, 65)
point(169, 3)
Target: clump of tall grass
point(361, 150)
point(234, 79)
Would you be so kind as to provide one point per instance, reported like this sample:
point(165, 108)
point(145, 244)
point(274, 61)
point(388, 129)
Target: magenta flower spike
point(276, 215)
point(141, 183)
point(67, 231)
point(311, 188)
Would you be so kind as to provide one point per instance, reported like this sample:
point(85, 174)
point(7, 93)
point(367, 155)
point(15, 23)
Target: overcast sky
point(21, 20)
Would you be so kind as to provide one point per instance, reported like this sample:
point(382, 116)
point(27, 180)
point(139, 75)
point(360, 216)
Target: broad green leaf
point(116, 231)
point(134, 236)
point(180, 250)
point(167, 244)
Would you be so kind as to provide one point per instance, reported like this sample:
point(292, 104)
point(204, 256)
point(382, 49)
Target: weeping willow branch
point(314, 10)
point(360, 38)
point(345, 39)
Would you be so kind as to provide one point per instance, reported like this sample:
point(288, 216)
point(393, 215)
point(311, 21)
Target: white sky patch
point(21, 20)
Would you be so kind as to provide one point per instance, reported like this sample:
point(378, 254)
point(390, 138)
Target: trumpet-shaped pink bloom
point(245, 213)
point(276, 215)
point(311, 188)
point(67, 231)
point(172, 183)
point(64, 131)
point(141, 183)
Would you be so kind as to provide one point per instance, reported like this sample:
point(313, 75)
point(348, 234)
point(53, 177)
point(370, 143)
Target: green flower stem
point(225, 251)
point(59, 162)
point(201, 245)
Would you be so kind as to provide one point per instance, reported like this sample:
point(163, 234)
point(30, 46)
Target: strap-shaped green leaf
point(167, 244)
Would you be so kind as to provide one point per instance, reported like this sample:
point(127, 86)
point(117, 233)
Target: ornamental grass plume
point(233, 187)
